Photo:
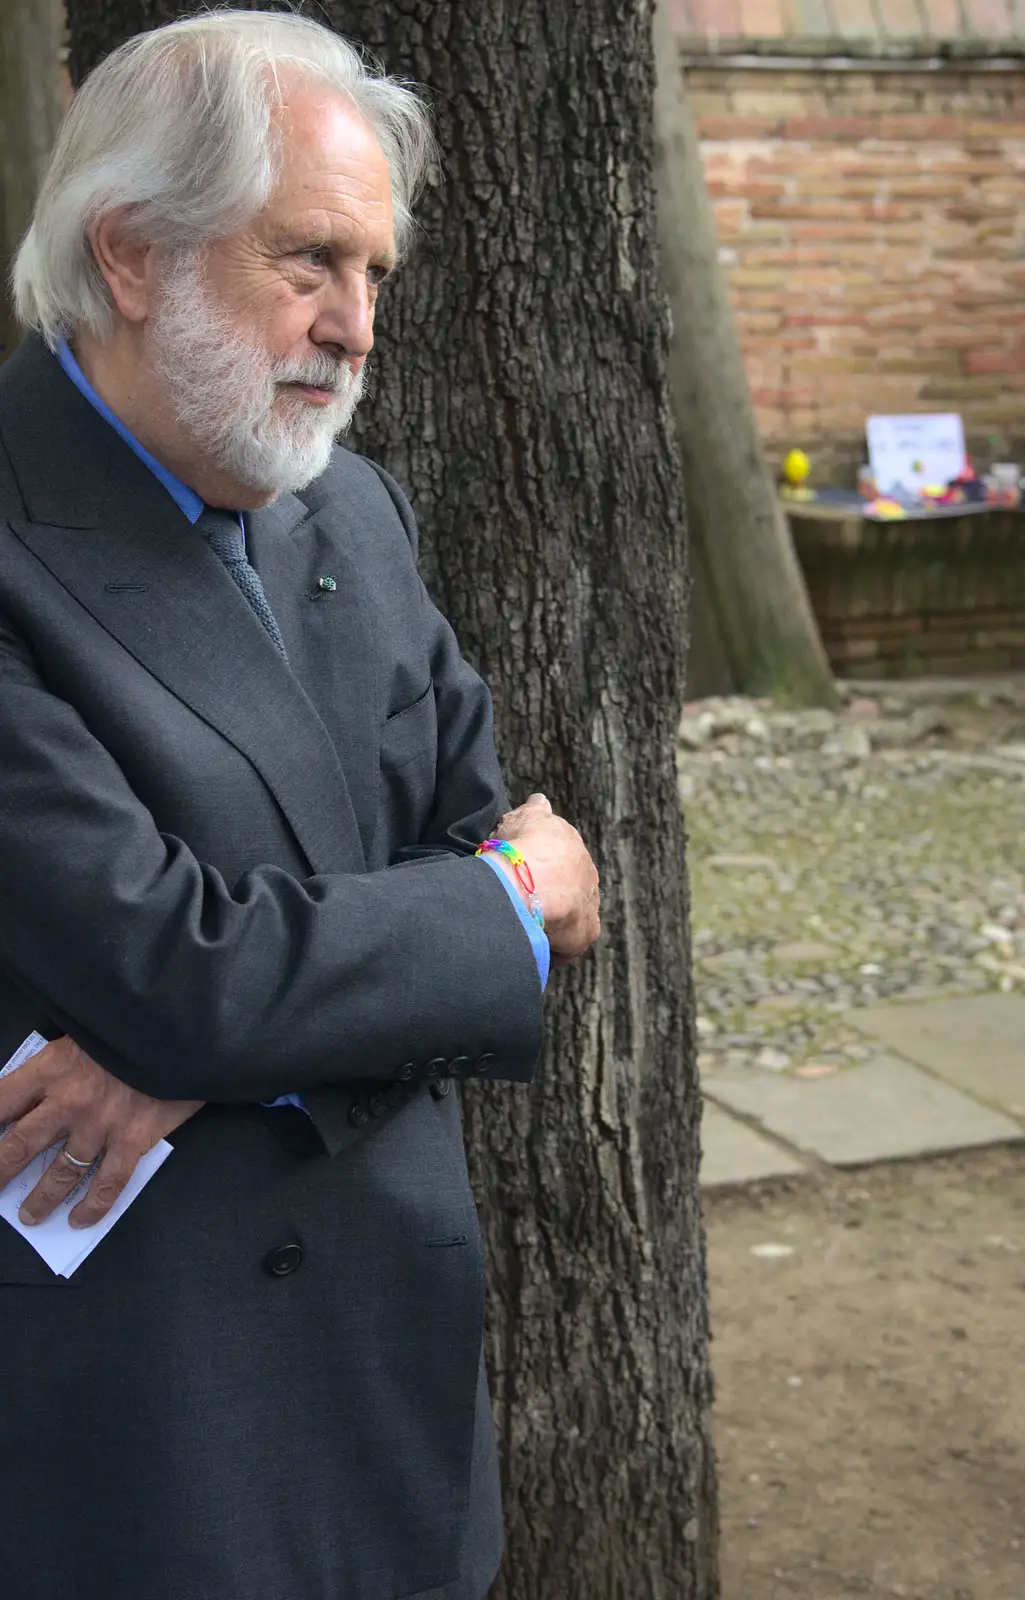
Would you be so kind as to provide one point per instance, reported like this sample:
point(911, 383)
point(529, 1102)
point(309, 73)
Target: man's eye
point(315, 256)
point(376, 276)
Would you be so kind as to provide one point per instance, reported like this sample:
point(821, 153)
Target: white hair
point(178, 124)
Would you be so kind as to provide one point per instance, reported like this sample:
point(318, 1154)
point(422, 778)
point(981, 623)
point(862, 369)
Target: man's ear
point(126, 262)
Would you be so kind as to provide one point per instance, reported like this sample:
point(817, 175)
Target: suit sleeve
point(185, 988)
point(470, 793)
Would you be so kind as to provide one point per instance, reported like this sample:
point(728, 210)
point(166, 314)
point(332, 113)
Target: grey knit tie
point(224, 532)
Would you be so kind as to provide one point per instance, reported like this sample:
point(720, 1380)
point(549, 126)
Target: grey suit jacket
point(229, 878)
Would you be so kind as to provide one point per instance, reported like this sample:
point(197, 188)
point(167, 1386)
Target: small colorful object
point(886, 510)
point(796, 470)
point(522, 873)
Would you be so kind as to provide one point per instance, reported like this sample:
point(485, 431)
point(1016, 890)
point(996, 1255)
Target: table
point(939, 593)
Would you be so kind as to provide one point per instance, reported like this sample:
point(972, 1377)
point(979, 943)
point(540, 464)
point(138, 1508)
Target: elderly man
point(244, 773)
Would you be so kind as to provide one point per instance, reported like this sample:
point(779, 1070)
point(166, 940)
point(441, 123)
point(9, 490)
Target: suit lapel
point(111, 534)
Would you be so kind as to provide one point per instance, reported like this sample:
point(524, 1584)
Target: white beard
point(224, 389)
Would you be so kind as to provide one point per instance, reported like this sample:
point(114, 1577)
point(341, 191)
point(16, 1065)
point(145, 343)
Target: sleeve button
point(405, 1072)
point(359, 1116)
point(440, 1088)
point(376, 1105)
point(483, 1065)
point(435, 1067)
point(459, 1066)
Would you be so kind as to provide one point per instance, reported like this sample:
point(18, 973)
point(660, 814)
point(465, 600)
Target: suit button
point(359, 1116)
point(395, 1095)
point(280, 1262)
point(440, 1088)
point(459, 1066)
point(436, 1067)
point(376, 1105)
point(405, 1072)
point(483, 1065)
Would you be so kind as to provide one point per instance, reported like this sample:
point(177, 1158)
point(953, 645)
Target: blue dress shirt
point(190, 503)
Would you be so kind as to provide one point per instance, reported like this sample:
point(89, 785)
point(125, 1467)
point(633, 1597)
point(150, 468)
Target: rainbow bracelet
point(524, 876)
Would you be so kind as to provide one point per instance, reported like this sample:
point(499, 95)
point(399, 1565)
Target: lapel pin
point(326, 585)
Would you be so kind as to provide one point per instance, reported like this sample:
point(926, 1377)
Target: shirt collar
point(185, 498)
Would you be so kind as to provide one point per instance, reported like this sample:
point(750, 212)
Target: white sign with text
point(914, 453)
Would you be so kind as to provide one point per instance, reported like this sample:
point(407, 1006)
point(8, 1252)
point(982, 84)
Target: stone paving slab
point(734, 1154)
point(976, 1042)
point(883, 1111)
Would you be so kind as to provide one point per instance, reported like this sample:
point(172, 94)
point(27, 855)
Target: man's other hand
point(565, 877)
point(61, 1096)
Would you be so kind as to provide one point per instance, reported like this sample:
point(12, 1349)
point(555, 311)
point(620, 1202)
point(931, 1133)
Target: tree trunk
point(521, 399)
point(31, 106)
point(755, 590)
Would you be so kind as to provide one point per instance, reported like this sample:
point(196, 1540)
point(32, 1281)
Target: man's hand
point(61, 1095)
point(565, 877)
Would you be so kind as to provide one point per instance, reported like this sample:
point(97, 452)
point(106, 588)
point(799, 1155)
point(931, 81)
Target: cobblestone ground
point(841, 860)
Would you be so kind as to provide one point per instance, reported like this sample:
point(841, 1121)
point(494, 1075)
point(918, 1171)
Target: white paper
point(913, 453)
point(61, 1246)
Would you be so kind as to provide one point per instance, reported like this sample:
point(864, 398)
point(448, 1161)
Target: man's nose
point(346, 316)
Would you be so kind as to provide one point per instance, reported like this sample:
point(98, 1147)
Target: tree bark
point(521, 399)
point(755, 589)
point(31, 106)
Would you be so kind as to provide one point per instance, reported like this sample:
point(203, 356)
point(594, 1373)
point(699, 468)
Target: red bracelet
point(524, 876)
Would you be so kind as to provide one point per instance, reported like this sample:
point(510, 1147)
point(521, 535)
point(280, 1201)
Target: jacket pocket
point(410, 732)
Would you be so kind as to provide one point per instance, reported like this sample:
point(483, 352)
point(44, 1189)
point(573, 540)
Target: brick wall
point(872, 224)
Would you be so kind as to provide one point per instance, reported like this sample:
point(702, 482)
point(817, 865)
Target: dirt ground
point(871, 1384)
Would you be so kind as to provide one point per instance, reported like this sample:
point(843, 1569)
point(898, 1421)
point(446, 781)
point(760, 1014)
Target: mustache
point(319, 373)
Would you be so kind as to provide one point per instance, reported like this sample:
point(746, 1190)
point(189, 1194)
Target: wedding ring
point(83, 1166)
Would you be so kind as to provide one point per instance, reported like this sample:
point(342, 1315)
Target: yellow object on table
point(888, 510)
point(796, 469)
